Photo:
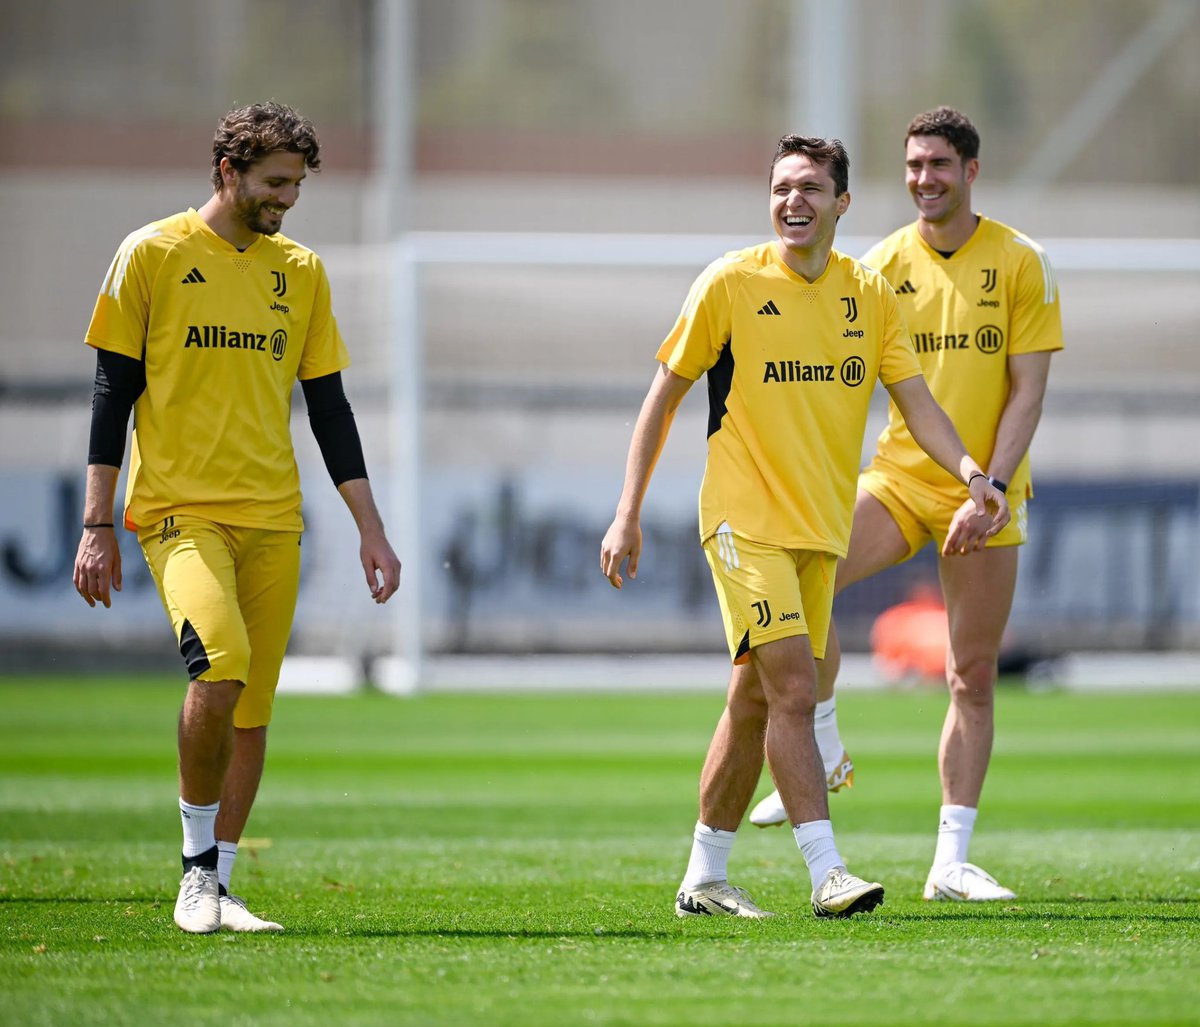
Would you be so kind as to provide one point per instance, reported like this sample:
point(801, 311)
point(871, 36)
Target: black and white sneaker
point(719, 898)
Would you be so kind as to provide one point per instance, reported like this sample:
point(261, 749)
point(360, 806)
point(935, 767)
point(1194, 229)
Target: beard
point(251, 213)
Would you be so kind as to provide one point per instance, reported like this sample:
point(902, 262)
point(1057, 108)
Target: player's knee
point(794, 697)
point(748, 704)
point(973, 682)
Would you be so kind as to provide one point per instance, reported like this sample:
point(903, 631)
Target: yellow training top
point(993, 298)
point(224, 334)
point(791, 366)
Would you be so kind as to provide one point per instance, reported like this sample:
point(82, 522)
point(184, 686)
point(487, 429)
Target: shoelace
point(194, 889)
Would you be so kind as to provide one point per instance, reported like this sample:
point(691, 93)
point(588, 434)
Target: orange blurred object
point(909, 640)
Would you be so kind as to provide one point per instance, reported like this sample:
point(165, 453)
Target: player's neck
point(809, 264)
point(952, 235)
point(218, 215)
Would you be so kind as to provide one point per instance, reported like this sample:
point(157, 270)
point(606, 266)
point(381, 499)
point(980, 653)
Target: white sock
point(825, 726)
point(820, 853)
point(710, 856)
point(226, 854)
point(199, 827)
point(955, 824)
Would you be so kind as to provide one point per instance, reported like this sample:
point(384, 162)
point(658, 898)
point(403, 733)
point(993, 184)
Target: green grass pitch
point(513, 860)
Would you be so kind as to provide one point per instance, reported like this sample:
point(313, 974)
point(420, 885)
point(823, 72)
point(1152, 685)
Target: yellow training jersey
point(791, 366)
point(224, 334)
point(967, 313)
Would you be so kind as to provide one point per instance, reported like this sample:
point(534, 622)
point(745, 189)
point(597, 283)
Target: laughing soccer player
point(792, 335)
point(981, 302)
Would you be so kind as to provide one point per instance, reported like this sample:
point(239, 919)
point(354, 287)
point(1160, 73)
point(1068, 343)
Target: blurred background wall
point(602, 118)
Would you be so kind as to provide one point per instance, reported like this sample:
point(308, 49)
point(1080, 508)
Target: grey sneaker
point(236, 917)
point(843, 894)
point(198, 908)
point(719, 898)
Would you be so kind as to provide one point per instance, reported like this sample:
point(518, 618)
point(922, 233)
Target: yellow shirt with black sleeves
point(224, 335)
point(791, 366)
point(994, 297)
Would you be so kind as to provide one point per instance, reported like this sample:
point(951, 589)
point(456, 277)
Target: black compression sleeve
point(119, 382)
point(333, 426)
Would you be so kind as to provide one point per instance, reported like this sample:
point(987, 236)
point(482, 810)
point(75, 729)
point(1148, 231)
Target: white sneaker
point(236, 917)
point(842, 894)
point(717, 899)
point(198, 908)
point(770, 811)
point(964, 882)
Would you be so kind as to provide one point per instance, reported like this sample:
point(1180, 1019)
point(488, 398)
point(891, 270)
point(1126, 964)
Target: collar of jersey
point(834, 256)
point(982, 220)
point(216, 240)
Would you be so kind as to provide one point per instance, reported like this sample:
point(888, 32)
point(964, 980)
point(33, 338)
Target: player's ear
point(843, 203)
point(971, 169)
point(228, 172)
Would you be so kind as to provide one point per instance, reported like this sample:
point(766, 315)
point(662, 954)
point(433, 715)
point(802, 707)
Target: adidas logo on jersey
point(907, 288)
point(770, 308)
point(193, 277)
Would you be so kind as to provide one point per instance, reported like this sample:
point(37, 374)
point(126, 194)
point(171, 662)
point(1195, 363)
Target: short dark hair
point(953, 126)
point(248, 134)
point(828, 153)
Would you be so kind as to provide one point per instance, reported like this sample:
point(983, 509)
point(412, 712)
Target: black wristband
point(998, 485)
point(974, 475)
point(107, 524)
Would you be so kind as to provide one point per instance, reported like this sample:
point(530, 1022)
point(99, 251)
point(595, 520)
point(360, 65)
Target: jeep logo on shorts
point(278, 343)
point(854, 371)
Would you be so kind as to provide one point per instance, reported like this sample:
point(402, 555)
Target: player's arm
point(1022, 411)
point(934, 433)
point(119, 382)
point(624, 536)
point(333, 426)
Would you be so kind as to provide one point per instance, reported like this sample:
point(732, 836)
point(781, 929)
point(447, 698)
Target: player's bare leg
point(978, 589)
point(206, 739)
point(788, 676)
point(735, 755)
point(875, 544)
point(205, 749)
point(241, 781)
point(237, 799)
point(787, 673)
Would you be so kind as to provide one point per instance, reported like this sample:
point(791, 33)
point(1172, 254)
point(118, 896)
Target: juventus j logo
point(989, 279)
point(763, 609)
point(851, 308)
point(280, 282)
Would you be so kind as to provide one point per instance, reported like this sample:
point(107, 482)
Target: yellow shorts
point(231, 595)
point(767, 593)
point(921, 518)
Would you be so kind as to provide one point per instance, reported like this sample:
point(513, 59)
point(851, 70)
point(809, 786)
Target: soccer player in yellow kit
point(792, 335)
point(981, 303)
point(204, 323)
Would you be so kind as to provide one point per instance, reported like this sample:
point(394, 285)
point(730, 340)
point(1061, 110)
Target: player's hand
point(381, 566)
point(980, 517)
point(97, 566)
point(622, 540)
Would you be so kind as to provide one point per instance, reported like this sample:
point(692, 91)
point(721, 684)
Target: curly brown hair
point(953, 126)
point(247, 134)
point(826, 153)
